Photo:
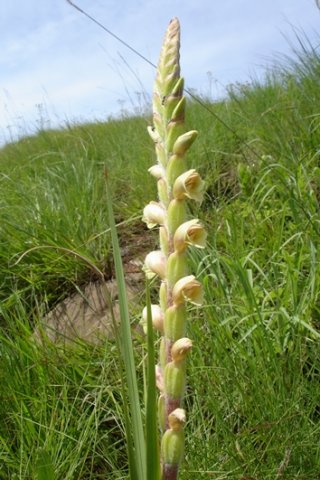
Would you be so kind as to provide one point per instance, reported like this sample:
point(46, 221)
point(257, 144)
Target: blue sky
point(57, 67)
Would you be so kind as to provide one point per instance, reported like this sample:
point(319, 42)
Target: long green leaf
point(127, 351)
point(127, 422)
point(44, 468)
point(153, 455)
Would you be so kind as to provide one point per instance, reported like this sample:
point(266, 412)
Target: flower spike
point(176, 185)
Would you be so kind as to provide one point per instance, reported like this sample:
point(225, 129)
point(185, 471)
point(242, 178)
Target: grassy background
point(253, 396)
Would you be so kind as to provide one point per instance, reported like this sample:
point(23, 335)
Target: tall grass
point(253, 392)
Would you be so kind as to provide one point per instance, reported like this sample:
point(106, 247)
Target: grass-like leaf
point(44, 467)
point(127, 352)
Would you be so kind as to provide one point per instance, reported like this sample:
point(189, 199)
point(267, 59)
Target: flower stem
point(176, 184)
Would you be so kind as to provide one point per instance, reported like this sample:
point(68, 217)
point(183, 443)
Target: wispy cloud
point(50, 53)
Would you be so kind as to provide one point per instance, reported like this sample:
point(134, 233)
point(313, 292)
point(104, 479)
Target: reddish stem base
point(170, 472)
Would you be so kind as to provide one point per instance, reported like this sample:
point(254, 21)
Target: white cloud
point(51, 53)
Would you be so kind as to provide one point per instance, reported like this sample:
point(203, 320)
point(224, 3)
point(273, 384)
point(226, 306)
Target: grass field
point(253, 395)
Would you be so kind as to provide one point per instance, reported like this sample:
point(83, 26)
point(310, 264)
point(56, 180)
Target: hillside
point(254, 390)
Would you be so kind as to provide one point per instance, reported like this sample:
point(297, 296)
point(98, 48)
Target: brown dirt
point(86, 314)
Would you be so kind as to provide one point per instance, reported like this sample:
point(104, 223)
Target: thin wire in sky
point(111, 33)
point(194, 97)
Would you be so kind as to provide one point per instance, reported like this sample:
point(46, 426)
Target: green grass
point(253, 396)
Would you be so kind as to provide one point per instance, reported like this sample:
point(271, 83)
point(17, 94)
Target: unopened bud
point(154, 214)
point(157, 316)
point(177, 419)
point(184, 142)
point(155, 264)
point(179, 111)
point(156, 171)
point(154, 134)
point(180, 349)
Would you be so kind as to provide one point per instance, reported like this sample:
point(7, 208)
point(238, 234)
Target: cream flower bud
point(189, 233)
point(177, 419)
point(155, 264)
point(180, 348)
point(156, 171)
point(153, 134)
point(184, 142)
point(190, 185)
point(187, 288)
point(154, 214)
point(157, 317)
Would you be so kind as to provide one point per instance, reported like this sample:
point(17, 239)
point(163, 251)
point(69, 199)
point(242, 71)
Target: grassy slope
point(253, 395)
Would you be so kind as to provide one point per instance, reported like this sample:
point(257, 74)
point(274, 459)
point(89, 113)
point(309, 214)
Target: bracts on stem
point(176, 184)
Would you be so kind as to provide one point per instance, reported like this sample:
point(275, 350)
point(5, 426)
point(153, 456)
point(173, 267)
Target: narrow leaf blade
point(127, 350)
